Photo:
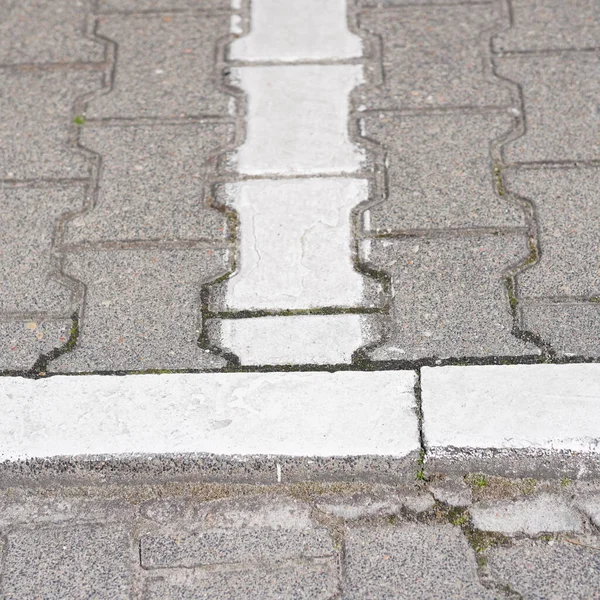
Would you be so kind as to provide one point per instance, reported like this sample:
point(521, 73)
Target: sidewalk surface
point(299, 299)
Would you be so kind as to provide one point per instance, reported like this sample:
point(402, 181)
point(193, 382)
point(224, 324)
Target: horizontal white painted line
point(554, 407)
point(292, 414)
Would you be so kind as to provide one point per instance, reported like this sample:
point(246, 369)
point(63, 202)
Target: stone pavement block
point(560, 96)
point(262, 510)
point(451, 491)
point(36, 31)
point(37, 124)
point(449, 297)
point(108, 6)
point(222, 546)
point(151, 184)
point(87, 561)
point(571, 328)
point(590, 505)
point(306, 581)
point(18, 506)
point(567, 215)
point(411, 561)
point(167, 69)
point(539, 571)
point(439, 172)
point(433, 56)
point(23, 341)
point(142, 309)
point(30, 217)
point(378, 503)
point(530, 516)
point(551, 25)
point(385, 3)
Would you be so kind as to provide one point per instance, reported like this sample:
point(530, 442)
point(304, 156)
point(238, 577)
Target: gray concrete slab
point(116, 6)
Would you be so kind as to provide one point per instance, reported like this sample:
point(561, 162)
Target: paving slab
point(330, 238)
point(411, 561)
point(540, 570)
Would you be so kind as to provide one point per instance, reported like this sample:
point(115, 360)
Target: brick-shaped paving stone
point(550, 25)
point(38, 32)
point(440, 173)
point(421, 560)
point(434, 56)
point(87, 561)
point(531, 516)
point(220, 546)
point(449, 296)
point(560, 94)
point(167, 69)
point(307, 581)
point(37, 129)
point(540, 570)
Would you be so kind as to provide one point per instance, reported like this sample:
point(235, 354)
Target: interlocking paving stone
point(29, 220)
point(567, 215)
point(294, 582)
point(166, 69)
point(151, 184)
point(222, 546)
point(570, 327)
point(560, 96)
point(411, 561)
point(37, 125)
point(531, 516)
point(22, 342)
point(163, 5)
point(433, 56)
point(539, 571)
point(551, 25)
point(87, 561)
point(36, 31)
point(451, 491)
point(565, 201)
point(141, 309)
point(449, 297)
point(385, 3)
point(439, 172)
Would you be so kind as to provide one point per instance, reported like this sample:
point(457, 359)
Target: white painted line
point(306, 30)
point(293, 414)
point(296, 339)
point(554, 407)
point(295, 239)
point(298, 120)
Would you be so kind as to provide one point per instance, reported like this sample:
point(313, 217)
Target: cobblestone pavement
point(454, 538)
point(235, 188)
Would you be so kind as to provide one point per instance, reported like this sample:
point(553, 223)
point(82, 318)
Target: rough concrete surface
point(470, 133)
